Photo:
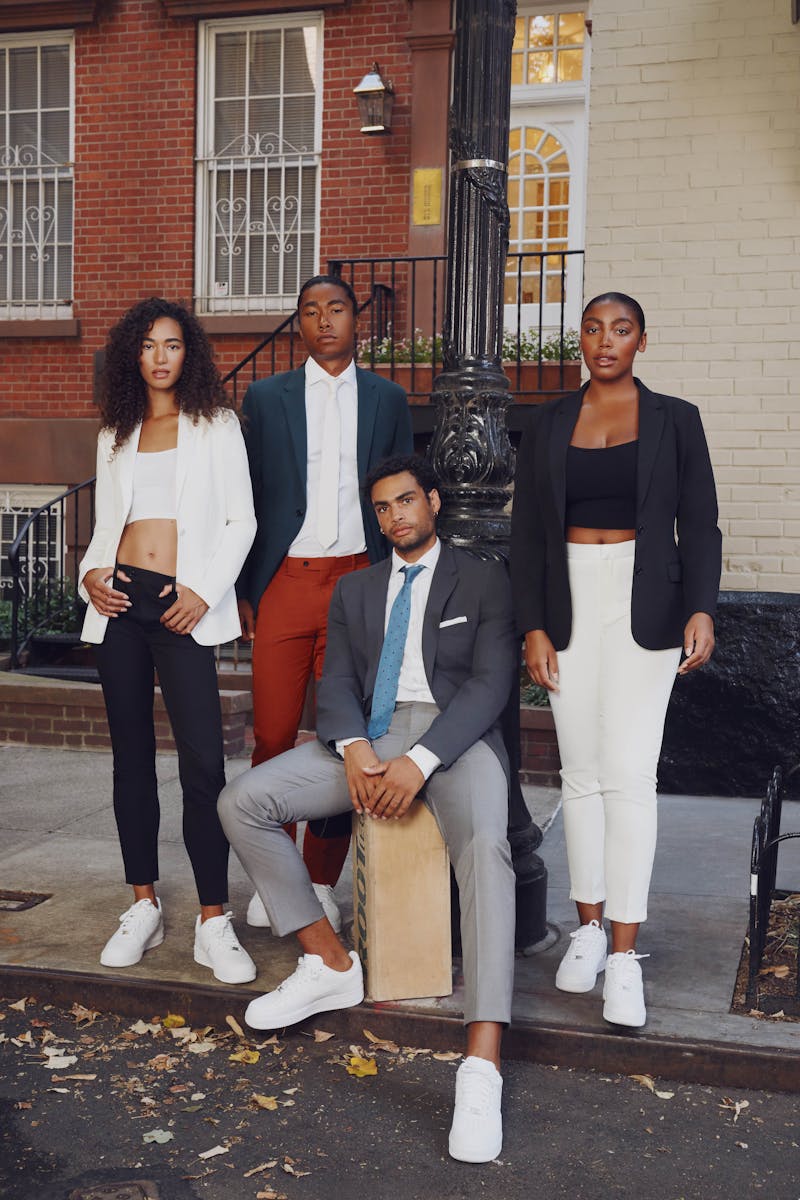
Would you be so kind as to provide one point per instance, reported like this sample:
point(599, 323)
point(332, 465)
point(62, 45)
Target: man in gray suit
point(416, 676)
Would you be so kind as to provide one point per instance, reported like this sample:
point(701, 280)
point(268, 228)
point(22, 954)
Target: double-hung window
point(258, 162)
point(36, 176)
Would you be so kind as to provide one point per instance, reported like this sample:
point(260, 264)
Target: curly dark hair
point(123, 398)
point(414, 464)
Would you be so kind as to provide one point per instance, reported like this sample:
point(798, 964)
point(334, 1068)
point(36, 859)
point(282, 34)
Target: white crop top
point(154, 486)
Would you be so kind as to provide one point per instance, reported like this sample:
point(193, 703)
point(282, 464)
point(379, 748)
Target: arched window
point(538, 201)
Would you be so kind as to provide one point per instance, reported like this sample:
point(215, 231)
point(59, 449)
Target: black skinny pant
point(135, 645)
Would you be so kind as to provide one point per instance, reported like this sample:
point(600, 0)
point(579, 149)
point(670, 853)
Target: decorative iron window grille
point(44, 557)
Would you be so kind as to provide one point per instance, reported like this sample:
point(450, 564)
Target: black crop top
point(601, 487)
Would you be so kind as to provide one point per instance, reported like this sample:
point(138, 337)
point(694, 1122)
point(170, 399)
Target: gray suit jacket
point(469, 664)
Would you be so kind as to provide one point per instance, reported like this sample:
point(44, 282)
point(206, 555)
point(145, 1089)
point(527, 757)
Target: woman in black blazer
point(606, 597)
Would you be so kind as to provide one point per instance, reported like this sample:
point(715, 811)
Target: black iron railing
point(44, 558)
point(401, 317)
point(767, 837)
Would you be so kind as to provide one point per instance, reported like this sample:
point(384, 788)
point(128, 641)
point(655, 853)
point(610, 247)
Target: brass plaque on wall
point(428, 196)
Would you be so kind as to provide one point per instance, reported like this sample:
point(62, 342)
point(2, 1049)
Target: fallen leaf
point(268, 1102)
point(24, 1039)
point(235, 1026)
point(57, 1062)
point(163, 1062)
point(742, 1145)
point(182, 1033)
point(213, 1152)
point(362, 1066)
point(61, 1092)
point(645, 1081)
point(19, 1005)
point(665, 1095)
point(79, 1078)
point(245, 1056)
point(779, 972)
point(160, 1136)
point(290, 1091)
point(269, 1194)
point(83, 1016)
point(287, 1103)
point(289, 1169)
point(201, 1047)
point(28, 1104)
point(145, 1027)
point(322, 1035)
point(265, 1166)
point(734, 1106)
point(197, 1096)
point(381, 1043)
point(446, 1056)
point(173, 1021)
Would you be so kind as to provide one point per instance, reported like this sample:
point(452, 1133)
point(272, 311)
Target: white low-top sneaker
point(476, 1134)
point(256, 913)
point(324, 893)
point(623, 990)
point(585, 958)
point(141, 927)
point(312, 988)
point(217, 946)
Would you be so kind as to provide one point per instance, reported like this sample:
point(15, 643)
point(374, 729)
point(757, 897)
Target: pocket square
point(453, 621)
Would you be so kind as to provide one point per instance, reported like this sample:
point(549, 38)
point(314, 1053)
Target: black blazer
point(274, 412)
point(468, 646)
point(672, 579)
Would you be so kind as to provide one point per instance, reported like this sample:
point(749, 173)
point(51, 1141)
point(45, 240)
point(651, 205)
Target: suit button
point(299, 513)
point(638, 571)
point(640, 529)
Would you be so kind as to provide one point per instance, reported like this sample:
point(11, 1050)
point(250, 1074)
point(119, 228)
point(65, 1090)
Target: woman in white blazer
point(174, 524)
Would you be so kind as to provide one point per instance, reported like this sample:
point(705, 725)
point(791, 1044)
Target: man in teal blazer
point(286, 584)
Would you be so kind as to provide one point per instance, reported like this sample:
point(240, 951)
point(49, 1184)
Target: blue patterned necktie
point(387, 677)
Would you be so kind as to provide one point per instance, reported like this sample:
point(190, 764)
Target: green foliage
point(533, 694)
point(422, 349)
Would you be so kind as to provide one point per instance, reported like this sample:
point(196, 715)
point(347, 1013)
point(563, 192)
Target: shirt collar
point(429, 559)
point(316, 373)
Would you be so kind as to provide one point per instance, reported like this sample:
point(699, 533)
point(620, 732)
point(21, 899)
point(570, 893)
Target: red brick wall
point(135, 76)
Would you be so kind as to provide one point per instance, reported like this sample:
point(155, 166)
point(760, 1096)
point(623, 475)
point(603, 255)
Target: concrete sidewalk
point(57, 836)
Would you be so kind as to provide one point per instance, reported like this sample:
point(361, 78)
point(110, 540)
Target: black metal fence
point(767, 837)
point(44, 558)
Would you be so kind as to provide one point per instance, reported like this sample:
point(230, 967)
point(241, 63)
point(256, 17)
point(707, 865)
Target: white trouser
point(609, 716)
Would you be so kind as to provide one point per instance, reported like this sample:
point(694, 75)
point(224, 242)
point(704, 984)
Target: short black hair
point(417, 466)
point(337, 281)
point(618, 298)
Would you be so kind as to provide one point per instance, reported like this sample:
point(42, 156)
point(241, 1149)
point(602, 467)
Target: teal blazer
point(274, 413)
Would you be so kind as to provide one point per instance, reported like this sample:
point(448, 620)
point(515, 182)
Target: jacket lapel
point(293, 400)
point(564, 420)
point(126, 461)
point(651, 425)
point(445, 578)
point(188, 433)
point(368, 402)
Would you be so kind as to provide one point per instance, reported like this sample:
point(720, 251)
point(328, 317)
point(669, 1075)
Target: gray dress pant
point(470, 803)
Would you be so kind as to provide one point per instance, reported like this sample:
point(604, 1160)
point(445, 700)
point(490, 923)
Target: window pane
point(571, 28)
point(55, 137)
point(265, 63)
point(570, 66)
point(229, 127)
point(514, 139)
point(55, 76)
point(265, 124)
point(549, 146)
point(298, 124)
point(519, 33)
point(540, 31)
point(231, 64)
point(540, 67)
point(298, 62)
point(516, 68)
point(23, 77)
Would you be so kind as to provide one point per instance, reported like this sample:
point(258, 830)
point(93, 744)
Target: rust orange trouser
point(291, 630)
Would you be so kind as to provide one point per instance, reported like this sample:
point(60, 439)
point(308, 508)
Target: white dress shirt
point(413, 682)
point(350, 538)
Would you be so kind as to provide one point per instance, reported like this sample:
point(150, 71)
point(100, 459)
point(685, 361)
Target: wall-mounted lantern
point(375, 98)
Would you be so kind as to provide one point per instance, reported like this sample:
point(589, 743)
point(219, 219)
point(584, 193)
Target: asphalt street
point(92, 1102)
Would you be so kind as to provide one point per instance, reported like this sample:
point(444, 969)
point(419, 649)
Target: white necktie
point(328, 508)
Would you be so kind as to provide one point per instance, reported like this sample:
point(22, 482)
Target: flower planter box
point(528, 384)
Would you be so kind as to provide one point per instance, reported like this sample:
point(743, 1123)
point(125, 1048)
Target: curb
point(720, 1064)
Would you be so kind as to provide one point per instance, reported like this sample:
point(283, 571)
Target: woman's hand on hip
point(541, 659)
point(188, 609)
point(698, 642)
point(107, 600)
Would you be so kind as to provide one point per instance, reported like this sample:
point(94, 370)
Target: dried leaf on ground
point(145, 1027)
point(160, 1136)
point(19, 1005)
point(648, 1082)
point(58, 1062)
point(83, 1016)
point(163, 1062)
point(265, 1166)
point(173, 1021)
point(290, 1170)
point(244, 1056)
point(235, 1026)
point(381, 1043)
point(201, 1047)
point(447, 1056)
point(322, 1035)
point(734, 1106)
point(779, 972)
point(24, 1039)
point(360, 1067)
point(213, 1152)
point(268, 1102)
point(79, 1078)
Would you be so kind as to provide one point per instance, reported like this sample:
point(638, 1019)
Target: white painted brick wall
point(694, 208)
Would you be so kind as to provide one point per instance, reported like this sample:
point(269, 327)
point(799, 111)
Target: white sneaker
point(217, 946)
point(311, 989)
point(256, 913)
point(141, 928)
point(476, 1134)
point(623, 991)
point(324, 893)
point(585, 958)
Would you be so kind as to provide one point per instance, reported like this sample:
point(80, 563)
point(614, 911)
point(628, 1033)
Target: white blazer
point(215, 517)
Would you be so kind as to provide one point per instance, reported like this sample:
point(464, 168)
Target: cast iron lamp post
point(470, 449)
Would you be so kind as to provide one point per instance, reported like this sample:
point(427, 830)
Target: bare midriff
point(151, 544)
point(599, 537)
